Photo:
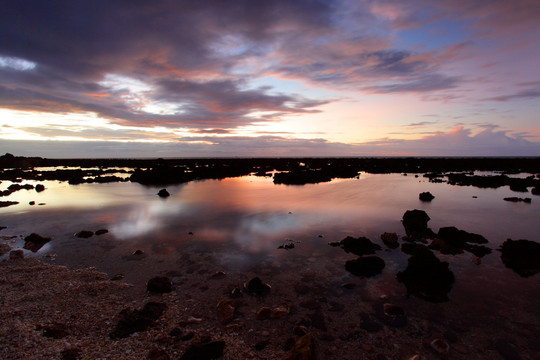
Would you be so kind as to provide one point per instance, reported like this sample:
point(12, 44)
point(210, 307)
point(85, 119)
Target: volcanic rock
point(132, 321)
point(159, 284)
point(101, 232)
point(40, 187)
point(365, 266)
point(522, 256)
point(516, 199)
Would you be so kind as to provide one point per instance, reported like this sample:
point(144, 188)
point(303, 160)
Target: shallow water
point(237, 224)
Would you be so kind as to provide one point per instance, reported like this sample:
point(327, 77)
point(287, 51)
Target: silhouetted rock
point(535, 190)
point(391, 314)
point(426, 196)
point(7, 203)
point(157, 354)
point(517, 199)
point(358, 246)
point(204, 351)
point(426, 276)
point(132, 321)
point(101, 232)
point(159, 284)
point(84, 234)
point(522, 256)
point(163, 193)
point(34, 242)
point(390, 240)
point(54, 330)
point(365, 266)
point(255, 286)
point(452, 241)
point(40, 187)
point(303, 349)
point(301, 177)
point(415, 224)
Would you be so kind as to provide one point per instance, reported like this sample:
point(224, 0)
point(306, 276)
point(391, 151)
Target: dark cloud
point(520, 95)
point(418, 83)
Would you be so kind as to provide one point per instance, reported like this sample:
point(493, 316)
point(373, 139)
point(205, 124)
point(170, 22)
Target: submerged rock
point(40, 187)
point(517, 199)
point(427, 277)
point(159, 284)
point(452, 241)
point(522, 256)
point(101, 232)
point(84, 234)
point(34, 242)
point(4, 249)
point(415, 224)
point(132, 321)
point(16, 254)
point(358, 246)
point(390, 240)
point(365, 266)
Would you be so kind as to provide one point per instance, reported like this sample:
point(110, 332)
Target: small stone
point(85, 234)
point(225, 311)
point(159, 284)
point(138, 252)
point(16, 254)
point(117, 277)
point(101, 232)
point(279, 311)
point(31, 203)
point(204, 351)
point(300, 330)
point(426, 196)
point(255, 286)
point(54, 330)
point(348, 286)
point(303, 349)
point(440, 346)
point(193, 320)
point(264, 313)
point(40, 188)
point(218, 275)
point(163, 193)
point(236, 293)
point(70, 354)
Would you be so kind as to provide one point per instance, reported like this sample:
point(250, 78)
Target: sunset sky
point(270, 78)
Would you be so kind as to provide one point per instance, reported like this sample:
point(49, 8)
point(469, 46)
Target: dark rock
point(359, 246)
point(522, 256)
point(535, 190)
point(365, 266)
point(255, 286)
point(132, 321)
point(190, 335)
point(34, 242)
point(204, 351)
point(413, 249)
point(4, 249)
point(138, 252)
point(516, 199)
point(391, 315)
point(157, 354)
point(40, 187)
point(286, 246)
point(70, 354)
point(159, 284)
point(390, 240)
point(31, 203)
point(16, 254)
point(84, 234)
point(101, 232)
point(7, 203)
point(519, 187)
point(427, 277)
point(235, 293)
point(507, 350)
point(415, 223)
point(163, 193)
point(54, 330)
point(336, 307)
point(317, 320)
point(440, 346)
point(348, 286)
point(452, 241)
point(225, 311)
point(303, 349)
point(261, 345)
point(264, 313)
point(426, 196)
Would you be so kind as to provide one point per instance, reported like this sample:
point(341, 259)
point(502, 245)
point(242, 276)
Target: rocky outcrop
point(132, 321)
point(34, 242)
point(358, 246)
point(365, 266)
point(415, 224)
point(522, 256)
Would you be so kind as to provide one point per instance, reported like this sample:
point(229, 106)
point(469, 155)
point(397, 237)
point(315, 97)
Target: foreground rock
point(415, 224)
point(390, 240)
point(7, 203)
point(84, 234)
point(255, 286)
point(426, 196)
point(303, 349)
point(159, 284)
point(365, 266)
point(204, 351)
point(358, 246)
point(163, 193)
point(132, 321)
point(522, 256)
point(34, 242)
point(451, 241)
point(426, 276)
point(517, 199)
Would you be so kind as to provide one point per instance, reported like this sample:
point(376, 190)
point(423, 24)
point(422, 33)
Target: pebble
point(440, 346)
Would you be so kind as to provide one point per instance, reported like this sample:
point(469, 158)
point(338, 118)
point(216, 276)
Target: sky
point(270, 78)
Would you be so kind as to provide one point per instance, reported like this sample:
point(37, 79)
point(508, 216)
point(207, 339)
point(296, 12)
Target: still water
point(237, 224)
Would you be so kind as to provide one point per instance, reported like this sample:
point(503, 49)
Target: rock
point(54, 330)
point(84, 234)
point(204, 351)
point(101, 232)
point(535, 190)
point(427, 277)
point(415, 224)
point(300, 330)
point(287, 246)
point(522, 256)
point(392, 315)
point(163, 193)
point(426, 196)
point(31, 203)
point(516, 199)
point(34, 242)
point(440, 346)
point(4, 249)
point(235, 293)
point(159, 284)
point(7, 203)
point(365, 266)
point(359, 246)
point(138, 252)
point(279, 311)
point(390, 240)
point(348, 286)
point(225, 311)
point(261, 345)
point(117, 277)
point(264, 313)
point(157, 354)
point(40, 187)
point(16, 254)
point(132, 321)
point(218, 275)
point(70, 354)
point(255, 286)
point(303, 349)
